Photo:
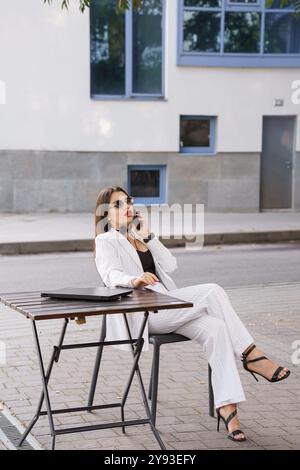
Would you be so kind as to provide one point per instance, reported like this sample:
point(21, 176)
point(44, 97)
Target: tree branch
point(84, 4)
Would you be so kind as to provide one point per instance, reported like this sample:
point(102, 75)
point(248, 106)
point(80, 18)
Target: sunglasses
point(121, 202)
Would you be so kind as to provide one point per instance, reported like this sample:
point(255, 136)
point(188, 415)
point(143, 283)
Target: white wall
point(44, 61)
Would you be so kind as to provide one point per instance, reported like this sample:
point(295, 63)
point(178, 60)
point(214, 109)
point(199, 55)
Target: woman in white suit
point(129, 257)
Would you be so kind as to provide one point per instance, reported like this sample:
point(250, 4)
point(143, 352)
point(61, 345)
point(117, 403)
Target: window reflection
point(202, 31)
point(242, 32)
point(145, 183)
point(194, 132)
point(147, 47)
point(107, 48)
point(282, 33)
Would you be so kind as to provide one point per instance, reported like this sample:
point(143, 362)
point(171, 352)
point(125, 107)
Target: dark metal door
point(277, 162)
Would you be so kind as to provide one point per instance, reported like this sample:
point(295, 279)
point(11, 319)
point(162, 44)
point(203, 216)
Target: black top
point(147, 261)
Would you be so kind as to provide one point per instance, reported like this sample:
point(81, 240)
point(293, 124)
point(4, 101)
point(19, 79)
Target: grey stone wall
point(44, 181)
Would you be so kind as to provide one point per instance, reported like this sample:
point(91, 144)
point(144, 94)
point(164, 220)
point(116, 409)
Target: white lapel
point(166, 280)
point(127, 246)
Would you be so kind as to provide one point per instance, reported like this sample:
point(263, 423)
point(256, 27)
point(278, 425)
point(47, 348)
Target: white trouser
point(213, 323)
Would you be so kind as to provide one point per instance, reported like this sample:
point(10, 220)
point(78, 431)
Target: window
point(243, 2)
point(147, 183)
point(126, 50)
point(197, 134)
point(282, 33)
point(238, 33)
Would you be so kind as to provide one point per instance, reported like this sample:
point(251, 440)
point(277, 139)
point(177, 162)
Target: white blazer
point(118, 263)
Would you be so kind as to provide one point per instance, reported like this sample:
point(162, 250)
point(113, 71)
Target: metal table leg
point(136, 354)
point(45, 380)
point(97, 363)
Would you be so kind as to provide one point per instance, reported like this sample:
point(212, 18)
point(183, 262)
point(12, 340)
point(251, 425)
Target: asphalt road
point(228, 265)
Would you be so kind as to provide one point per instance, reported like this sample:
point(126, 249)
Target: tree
point(84, 4)
point(125, 4)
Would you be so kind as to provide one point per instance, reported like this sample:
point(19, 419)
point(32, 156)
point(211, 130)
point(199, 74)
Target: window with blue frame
point(147, 183)
point(258, 33)
point(126, 50)
point(198, 134)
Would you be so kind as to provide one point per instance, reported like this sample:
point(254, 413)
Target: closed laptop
point(88, 293)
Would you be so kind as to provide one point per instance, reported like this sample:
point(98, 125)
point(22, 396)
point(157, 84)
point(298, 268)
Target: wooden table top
point(35, 307)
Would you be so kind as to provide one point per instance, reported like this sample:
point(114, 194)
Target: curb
point(50, 246)
point(11, 430)
point(252, 237)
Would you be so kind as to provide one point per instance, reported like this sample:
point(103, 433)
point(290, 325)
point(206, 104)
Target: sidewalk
point(270, 417)
point(46, 232)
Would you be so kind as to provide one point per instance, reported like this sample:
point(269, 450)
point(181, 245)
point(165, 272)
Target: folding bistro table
point(38, 308)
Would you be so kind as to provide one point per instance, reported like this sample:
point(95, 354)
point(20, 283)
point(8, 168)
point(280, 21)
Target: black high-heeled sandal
point(232, 434)
point(275, 377)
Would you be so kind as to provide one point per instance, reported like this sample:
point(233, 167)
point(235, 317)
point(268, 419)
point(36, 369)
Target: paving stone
point(270, 417)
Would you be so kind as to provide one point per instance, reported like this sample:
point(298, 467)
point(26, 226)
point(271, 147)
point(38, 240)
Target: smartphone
point(135, 220)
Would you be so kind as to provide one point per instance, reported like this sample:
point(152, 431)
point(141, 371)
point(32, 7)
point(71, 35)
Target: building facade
point(182, 101)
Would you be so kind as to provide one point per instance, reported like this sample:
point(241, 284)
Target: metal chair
point(157, 340)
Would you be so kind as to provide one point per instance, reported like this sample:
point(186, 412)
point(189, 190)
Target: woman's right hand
point(145, 279)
